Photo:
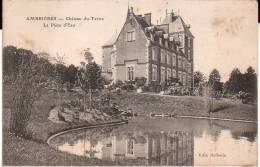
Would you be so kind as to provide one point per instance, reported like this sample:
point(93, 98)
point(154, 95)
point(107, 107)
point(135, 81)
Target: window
point(154, 72)
point(181, 40)
point(162, 56)
point(189, 42)
point(168, 58)
point(130, 36)
point(183, 63)
point(189, 54)
point(130, 73)
point(162, 74)
point(179, 62)
point(174, 59)
point(169, 75)
point(130, 146)
point(154, 54)
point(180, 76)
point(184, 79)
point(188, 82)
point(189, 67)
point(174, 74)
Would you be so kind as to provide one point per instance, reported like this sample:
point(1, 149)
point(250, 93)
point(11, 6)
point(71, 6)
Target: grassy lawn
point(185, 105)
point(18, 151)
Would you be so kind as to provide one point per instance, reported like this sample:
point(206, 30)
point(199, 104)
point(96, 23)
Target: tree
point(233, 85)
point(26, 88)
point(214, 76)
point(250, 81)
point(89, 76)
point(90, 79)
point(140, 81)
point(199, 78)
point(71, 74)
point(88, 56)
point(9, 60)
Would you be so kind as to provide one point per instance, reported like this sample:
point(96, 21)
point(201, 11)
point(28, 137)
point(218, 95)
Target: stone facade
point(156, 52)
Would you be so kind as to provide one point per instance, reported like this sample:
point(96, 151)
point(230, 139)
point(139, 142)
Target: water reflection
point(166, 143)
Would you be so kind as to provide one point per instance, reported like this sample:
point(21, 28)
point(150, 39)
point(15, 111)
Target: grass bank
point(185, 105)
point(35, 151)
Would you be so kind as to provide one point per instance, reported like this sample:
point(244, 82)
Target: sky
point(225, 30)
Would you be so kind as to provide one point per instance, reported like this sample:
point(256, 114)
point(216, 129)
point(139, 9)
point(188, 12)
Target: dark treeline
point(246, 82)
point(29, 75)
point(237, 82)
point(13, 57)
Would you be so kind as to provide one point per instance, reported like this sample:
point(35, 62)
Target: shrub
point(140, 81)
point(127, 86)
point(145, 88)
point(118, 83)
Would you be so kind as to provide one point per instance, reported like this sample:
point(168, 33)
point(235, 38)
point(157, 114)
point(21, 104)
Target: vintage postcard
point(130, 82)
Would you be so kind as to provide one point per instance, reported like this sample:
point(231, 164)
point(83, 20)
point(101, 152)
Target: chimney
point(169, 17)
point(147, 18)
point(131, 10)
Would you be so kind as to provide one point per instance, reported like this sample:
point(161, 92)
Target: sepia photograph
point(130, 83)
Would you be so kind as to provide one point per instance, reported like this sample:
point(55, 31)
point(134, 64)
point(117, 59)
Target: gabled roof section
point(140, 20)
point(179, 25)
point(155, 31)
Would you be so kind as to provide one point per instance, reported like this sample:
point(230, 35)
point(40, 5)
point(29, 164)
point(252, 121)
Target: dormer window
point(130, 36)
point(131, 22)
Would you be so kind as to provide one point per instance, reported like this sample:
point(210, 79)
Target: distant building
point(156, 52)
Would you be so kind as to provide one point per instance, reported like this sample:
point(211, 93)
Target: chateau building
point(157, 52)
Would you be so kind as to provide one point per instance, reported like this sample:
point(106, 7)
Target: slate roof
point(177, 24)
point(142, 22)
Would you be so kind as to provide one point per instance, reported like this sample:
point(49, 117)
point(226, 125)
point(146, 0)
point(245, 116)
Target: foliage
point(234, 84)
point(172, 80)
point(89, 77)
point(13, 57)
point(214, 81)
point(60, 73)
point(26, 87)
point(246, 82)
point(71, 73)
point(199, 78)
point(249, 84)
point(88, 56)
point(118, 83)
point(127, 86)
point(214, 76)
point(140, 81)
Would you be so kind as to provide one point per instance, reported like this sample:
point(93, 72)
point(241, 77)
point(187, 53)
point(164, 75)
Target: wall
point(134, 50)
point(106, 57)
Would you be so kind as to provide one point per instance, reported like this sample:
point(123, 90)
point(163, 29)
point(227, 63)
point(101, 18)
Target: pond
point(165, 141)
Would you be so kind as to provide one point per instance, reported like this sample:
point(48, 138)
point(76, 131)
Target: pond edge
point(86, 127)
